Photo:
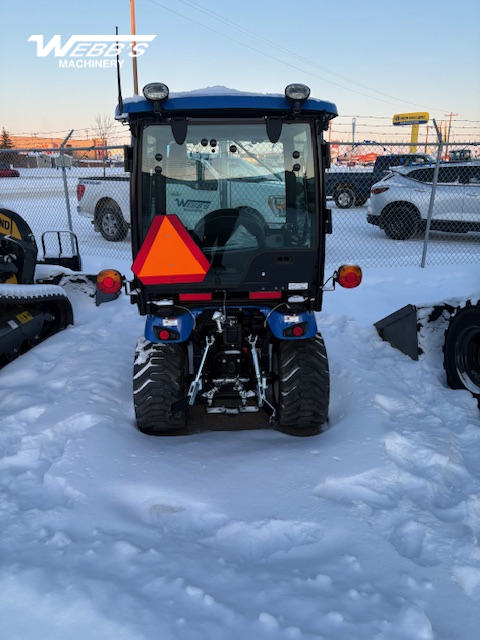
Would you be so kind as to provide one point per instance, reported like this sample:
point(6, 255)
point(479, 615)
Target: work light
point(297, 92)
point(156, 91)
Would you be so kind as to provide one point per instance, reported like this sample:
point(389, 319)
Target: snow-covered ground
point(369, 531)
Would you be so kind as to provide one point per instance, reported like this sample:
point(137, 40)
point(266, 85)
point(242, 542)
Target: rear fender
point(178, 326)
point(281, 324)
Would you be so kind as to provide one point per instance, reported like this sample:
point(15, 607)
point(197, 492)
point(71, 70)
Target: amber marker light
point(349, 276)
point(109, 281)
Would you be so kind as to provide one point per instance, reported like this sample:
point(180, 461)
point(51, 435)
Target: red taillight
point(265, 295)
point(378, 190)
point(349, 276)
point(80, 191)
point(163, 334)
point(296, 331)
point(109, 281)
point(194, 297)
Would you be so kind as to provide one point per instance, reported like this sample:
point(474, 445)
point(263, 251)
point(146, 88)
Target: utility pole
point(450, 116)
point(134, 59)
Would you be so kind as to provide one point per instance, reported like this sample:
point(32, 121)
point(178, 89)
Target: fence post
point(65, 184)
point(432, 194)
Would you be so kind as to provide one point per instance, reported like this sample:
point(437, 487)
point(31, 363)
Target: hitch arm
point(196, 385)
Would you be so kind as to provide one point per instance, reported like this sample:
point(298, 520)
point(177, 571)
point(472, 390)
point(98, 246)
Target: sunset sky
point(372, 59)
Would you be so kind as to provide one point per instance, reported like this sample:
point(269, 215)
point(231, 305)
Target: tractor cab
point(228, 220)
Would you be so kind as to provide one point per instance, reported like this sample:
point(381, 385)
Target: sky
point(372, 59)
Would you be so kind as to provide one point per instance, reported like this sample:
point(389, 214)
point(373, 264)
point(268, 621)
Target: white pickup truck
point(106, 200)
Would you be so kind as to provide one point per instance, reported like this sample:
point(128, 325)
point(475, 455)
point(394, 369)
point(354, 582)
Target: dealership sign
point(91, 51)
point(410, 118)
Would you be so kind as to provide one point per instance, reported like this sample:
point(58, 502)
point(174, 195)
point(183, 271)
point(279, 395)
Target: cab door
point(449, 194)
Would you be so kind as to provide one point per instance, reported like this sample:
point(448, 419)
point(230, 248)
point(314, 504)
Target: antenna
point(119, 82)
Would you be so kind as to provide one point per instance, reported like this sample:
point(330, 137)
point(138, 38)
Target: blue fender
point(180, 327)
point(281, 324)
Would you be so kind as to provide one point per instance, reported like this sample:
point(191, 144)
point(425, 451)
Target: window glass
point(235, 191)
point(449, 174)
point(473, 175)
point(422, 175)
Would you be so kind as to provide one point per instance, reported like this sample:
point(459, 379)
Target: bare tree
point(103, 128)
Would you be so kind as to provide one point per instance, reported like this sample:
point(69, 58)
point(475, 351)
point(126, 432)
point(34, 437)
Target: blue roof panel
point(234, 101)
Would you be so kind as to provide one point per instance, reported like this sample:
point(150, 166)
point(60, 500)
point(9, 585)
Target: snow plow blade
point(408, 328)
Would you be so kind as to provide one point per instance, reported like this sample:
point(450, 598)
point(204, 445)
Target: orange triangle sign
point(169, 254)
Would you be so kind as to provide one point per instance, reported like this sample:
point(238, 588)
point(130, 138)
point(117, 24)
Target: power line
point(290, 53)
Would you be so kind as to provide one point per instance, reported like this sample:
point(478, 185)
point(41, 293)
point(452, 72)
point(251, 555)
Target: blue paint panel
point(277, 323)
point(234, 102)
point(183, 324)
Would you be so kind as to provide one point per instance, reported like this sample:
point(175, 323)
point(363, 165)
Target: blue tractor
point(228, 224)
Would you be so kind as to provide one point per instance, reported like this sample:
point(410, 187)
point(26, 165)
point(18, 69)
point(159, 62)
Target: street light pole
point(449, 129)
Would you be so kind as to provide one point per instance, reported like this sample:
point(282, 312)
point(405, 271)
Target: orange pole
point(134, 59)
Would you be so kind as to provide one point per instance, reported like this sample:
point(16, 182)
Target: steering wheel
point(219, 225)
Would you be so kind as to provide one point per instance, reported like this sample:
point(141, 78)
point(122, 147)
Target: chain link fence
point(424, 212)
point(427, 211)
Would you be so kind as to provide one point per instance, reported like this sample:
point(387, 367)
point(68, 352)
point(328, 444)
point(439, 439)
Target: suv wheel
point(400, 223)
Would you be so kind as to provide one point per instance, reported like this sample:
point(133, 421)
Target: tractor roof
point(236, 103)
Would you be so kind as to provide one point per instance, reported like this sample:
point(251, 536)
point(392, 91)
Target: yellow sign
point(410, 118)
point(24, 317)
point(8, 227)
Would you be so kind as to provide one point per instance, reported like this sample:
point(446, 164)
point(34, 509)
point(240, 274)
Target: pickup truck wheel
point(111, 224)
point(301, 385)
point(158, 382)
point(344, 198)
point(400, 223)
point(461, 351)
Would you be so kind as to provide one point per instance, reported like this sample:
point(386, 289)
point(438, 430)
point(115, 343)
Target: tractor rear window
point(235, 191)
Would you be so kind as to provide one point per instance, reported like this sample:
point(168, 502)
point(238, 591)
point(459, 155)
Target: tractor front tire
point(301, 385)
point(158, 382)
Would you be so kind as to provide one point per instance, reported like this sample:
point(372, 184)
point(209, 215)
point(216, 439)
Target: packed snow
point(369, 531)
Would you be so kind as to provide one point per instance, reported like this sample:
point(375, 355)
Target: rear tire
point(461, 350)
point(400, 223)
point(158, 382)
point(301, 387)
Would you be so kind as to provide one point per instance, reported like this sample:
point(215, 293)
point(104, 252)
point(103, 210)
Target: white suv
point(399, 203)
